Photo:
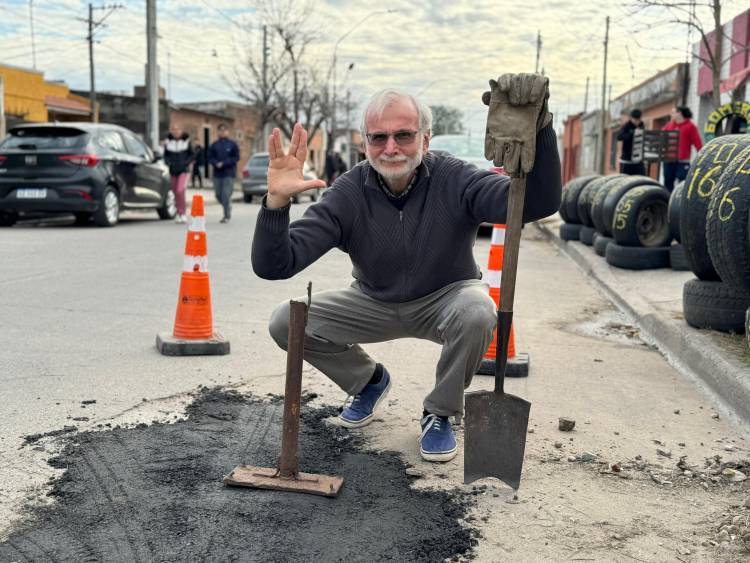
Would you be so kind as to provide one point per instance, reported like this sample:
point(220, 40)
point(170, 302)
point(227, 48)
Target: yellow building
point(28, 97)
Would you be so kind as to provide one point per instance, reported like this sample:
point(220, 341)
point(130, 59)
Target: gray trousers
point(223, 188)
point(461, 316)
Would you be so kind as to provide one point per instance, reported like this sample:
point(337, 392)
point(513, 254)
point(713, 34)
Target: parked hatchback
point(255, 178)
point(90, 170)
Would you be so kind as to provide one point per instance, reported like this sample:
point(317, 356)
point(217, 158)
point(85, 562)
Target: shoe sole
point(442, 456)
point(367, 420)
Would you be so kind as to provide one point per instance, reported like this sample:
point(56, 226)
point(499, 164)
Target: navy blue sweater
point(401, 255)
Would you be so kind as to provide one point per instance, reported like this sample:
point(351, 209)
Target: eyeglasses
point(402, 138)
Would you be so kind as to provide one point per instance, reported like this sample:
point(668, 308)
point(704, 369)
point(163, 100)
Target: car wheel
point(169, 209)
point(641, 218)
point(108, 213)
point(8, 218)
point(82, 218)
point(714, 304)
point(247, 198)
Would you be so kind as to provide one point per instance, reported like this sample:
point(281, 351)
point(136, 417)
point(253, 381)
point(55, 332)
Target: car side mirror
point(158, 154)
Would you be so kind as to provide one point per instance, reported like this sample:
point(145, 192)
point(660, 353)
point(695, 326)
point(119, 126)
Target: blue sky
point(443, 50)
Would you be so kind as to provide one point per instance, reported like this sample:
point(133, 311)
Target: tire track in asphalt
point(242, 460)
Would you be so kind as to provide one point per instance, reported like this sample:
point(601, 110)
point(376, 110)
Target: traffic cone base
point(516, 367)
point(169, 345)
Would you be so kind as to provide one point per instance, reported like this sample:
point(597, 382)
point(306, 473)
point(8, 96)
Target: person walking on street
point(626, 134)
point(689, 138)
point(199, 163)
point(178, 155)
point(408, 218)
point(223, 156)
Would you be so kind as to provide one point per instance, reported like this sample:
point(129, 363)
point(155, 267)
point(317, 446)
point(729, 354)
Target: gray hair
point(384, 98)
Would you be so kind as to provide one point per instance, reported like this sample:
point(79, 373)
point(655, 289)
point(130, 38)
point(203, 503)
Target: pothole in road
point(609, 325)
point(155, 493)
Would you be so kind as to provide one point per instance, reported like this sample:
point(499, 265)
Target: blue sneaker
point(437, 442)
point(361, 410)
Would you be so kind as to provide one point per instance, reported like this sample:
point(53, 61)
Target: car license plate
point(31, 193)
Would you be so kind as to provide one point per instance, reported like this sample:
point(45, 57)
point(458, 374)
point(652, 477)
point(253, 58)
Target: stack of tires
point(571, 228)
point(715, 231)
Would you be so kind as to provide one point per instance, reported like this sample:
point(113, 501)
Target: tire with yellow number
point(571, 191)
point(728, 223)
point(641, 218)
point(614, 191)
point(585, 199)
point(700, 184)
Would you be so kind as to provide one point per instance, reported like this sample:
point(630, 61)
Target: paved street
point(82, 305)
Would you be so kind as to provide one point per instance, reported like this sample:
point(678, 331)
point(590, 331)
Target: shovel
point(496, 422)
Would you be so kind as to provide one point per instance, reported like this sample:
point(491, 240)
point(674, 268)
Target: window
point(111, 140)
point(33, 138)
point(136, 147)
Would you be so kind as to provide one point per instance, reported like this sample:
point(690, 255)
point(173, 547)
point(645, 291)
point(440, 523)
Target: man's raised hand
point(285, 177)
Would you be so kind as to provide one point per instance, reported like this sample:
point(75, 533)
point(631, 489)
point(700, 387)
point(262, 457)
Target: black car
point(90, 170)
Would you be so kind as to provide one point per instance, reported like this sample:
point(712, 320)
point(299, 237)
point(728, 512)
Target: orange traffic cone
point(518, 364)
point(193, 324)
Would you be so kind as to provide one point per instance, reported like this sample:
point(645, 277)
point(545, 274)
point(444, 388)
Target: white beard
point(407, 165)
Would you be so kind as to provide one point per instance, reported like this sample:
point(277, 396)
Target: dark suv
point(90, 170)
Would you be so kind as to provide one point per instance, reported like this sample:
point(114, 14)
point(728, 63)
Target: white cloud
point(445, 50)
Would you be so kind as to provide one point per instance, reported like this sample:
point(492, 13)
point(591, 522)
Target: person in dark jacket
point(408, 218)
point(178, 155)
point(626, 134)
point(689, 138)
point(198, 163)
point(223, 156)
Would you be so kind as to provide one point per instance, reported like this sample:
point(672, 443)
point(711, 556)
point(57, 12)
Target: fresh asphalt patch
point(154, 493)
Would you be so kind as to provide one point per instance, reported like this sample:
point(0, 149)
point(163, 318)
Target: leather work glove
point(518, 110)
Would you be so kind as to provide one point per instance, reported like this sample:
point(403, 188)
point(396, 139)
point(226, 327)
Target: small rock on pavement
point(677, 411)
point(566, 424)
point(734, 475)
point(558, 445)
point(729, 448)
point(414, 472)
point(586, 457)
point(715, 416)
point(664, 453)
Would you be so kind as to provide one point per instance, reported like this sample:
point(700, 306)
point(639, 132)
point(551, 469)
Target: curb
point(689, 350)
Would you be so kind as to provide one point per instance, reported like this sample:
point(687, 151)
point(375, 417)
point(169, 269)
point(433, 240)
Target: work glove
point(517, 111)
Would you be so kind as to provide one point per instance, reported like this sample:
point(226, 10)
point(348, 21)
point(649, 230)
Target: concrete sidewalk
point(719, 363)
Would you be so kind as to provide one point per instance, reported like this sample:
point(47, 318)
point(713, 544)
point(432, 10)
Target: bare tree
point(708, 26)
point(277, 79)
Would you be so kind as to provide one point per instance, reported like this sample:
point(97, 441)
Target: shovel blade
point(495, 436)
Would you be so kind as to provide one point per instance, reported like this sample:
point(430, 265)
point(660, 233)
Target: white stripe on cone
point(197, 224)
point(493, 278)
point(189, 263)
point(498, 235)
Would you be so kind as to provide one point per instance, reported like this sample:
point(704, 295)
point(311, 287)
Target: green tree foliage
point(446, 120)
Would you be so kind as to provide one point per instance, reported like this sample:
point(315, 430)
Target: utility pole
point(169, 74)
point(538, 49)
point(92, 85)
point(33, 40)
point(603, 147)
point(152, 77)
point(266, 94)
point(93, 25)
point(586, 97)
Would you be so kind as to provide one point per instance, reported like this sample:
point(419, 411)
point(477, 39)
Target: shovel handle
point(514, 222)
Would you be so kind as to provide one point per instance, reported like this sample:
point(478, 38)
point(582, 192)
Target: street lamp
point(335, 60)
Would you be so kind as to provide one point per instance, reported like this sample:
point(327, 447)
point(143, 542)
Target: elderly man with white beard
point(408, 218)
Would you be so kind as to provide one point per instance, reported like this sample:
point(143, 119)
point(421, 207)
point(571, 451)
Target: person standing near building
point(223, 156)
point(198, 163)
point(626, 134)
point(689, 138)
point(178, 154)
